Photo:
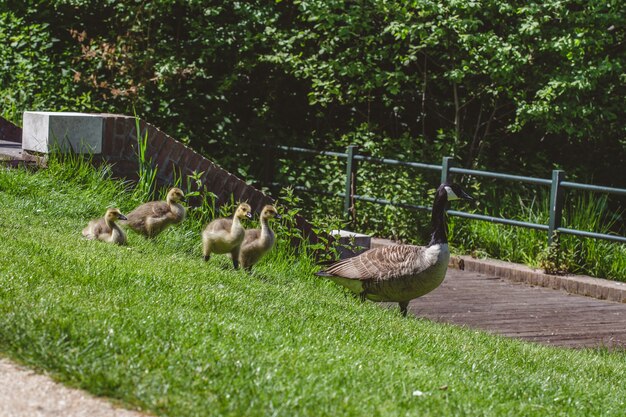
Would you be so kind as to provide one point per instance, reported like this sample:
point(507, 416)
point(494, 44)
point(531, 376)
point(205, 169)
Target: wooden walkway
point(519, 310)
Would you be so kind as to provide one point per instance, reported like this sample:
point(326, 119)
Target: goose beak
point(249, 215)
point(466, 196)
point(122, 217)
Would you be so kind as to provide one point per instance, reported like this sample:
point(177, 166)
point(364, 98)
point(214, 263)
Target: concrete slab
point(64, 131)
point(11, 154)
point(353, 243)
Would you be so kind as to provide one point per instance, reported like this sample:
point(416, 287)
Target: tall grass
point(146, 184)
point(582, 211)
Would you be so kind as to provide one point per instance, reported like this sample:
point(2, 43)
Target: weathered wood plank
point(513, 309)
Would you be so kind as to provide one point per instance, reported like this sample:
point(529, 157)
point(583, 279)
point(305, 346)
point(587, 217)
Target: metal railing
point(557, 184)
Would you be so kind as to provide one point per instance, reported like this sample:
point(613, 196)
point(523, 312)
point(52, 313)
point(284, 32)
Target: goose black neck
point(439, 222)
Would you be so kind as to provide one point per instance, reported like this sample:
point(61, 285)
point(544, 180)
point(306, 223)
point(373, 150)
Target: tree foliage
point(510, 86)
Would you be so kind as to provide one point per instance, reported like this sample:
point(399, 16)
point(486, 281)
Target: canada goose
point(401, 273)
point(225, 235)
point(105, 228)
point(150, 219)
point(258, 241)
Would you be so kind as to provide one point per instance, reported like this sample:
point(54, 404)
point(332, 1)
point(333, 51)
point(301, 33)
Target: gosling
point(257, 242)
point(225, 235)
point(105, 228)
point(150, 219)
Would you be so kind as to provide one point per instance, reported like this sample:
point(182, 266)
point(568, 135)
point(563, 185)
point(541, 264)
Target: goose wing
point(95, 228)
point(159, 208)
point(218, 225)
point(251, 236)
point(150, 209)
point(384, 263)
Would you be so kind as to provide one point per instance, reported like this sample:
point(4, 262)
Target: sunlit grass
point(154, 326)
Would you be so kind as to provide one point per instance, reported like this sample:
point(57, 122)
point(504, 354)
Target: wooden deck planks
point(522, 311)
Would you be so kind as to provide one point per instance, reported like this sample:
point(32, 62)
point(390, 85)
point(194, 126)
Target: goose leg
point(235, 255)
point(206, 248)
point(404, 307)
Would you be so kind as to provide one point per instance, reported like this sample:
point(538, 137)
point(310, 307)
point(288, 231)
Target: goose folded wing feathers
point(95, 228)
point(384, 263)
point(99, 227)
point(252, 235)
point(160, 209)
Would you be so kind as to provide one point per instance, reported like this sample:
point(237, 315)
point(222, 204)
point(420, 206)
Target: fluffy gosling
point(150, 219)
point(225, 235)
point(257, 242)
point(105, 228)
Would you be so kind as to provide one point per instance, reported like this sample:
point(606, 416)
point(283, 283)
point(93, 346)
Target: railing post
point(351, 169)
point(556, 205)
point(446, 164)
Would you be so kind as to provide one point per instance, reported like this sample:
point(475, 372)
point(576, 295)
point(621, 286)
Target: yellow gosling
point(225, 235)
point(150, 219)
point(257, 242)
point(105, 229)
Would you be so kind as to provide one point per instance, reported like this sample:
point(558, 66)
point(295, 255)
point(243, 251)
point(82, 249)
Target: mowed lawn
point(158, 329)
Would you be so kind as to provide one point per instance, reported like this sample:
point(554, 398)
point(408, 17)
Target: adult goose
point(401, 273)
point(225, 235)
point(257, 242)
point(150, 219)
point(106, 229)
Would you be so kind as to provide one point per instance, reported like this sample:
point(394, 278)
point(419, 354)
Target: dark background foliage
point(518, 87)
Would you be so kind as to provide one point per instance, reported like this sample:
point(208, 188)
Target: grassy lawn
point(155, 327)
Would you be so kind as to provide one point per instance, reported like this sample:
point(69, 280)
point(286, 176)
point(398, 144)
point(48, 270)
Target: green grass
point(155, 327)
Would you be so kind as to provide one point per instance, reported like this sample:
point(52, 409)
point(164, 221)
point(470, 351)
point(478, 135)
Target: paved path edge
point(599, 288)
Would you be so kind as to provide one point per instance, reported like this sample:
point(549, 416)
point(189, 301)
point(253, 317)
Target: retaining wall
point(171, 158)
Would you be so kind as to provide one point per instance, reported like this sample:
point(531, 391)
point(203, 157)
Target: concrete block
point(67, 132)
point(352, 243)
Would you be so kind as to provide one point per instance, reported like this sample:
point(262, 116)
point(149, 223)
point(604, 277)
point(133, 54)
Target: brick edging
point(574, 284)
point(9, 131)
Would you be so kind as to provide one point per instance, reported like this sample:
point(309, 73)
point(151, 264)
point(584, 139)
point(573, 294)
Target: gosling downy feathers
point(225, 235)
point(401, 273)
point(257, 242)
point(106, 229)
point(150, 219)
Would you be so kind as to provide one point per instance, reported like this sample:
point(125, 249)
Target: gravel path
point(24, 393)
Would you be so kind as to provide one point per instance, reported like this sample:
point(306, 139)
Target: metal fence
point(557, 185)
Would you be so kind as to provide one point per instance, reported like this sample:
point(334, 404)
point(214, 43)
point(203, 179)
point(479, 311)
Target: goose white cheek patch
point(451, 193)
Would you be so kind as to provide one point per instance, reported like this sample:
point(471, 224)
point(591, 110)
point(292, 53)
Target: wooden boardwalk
point(519, 310)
